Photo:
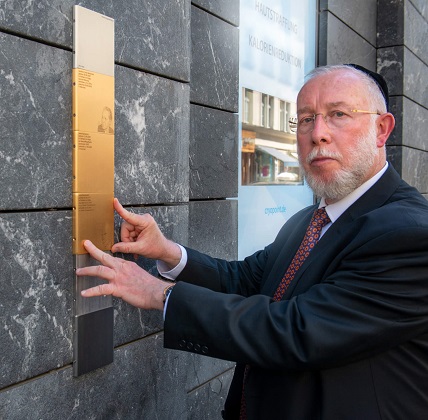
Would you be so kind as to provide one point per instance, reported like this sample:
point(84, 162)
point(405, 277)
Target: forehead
point(338, 87)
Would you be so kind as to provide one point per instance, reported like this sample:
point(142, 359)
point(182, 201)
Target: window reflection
point(269, 149)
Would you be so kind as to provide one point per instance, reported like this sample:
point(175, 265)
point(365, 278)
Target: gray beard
point(345, 180)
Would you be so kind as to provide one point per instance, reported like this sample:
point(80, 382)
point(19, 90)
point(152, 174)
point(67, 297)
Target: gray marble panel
point(213, 228)
point(390, 66)
point(405, 73)
point(36, 307)
point(415, 32)
point(415, 78)
point(411, 164)
point(359, 15)
point(338, 44)
point(205, 368)
point(153, 35)
point(50, 21)
point(414, 168)
point(152, 138)
point(396, 108)
point(394, 155)
point(131, 323)
point(415, 125)
point(225, 9)
point(422, 7)
point(149, 35)
point(35, 125)
point(209, 399)
point(213, 153)
point(214, 71)
point(143, 382)
point(390, 23)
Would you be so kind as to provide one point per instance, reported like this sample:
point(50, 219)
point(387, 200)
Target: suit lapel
point(288, 243)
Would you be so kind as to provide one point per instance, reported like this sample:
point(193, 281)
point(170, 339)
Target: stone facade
point(176, 157)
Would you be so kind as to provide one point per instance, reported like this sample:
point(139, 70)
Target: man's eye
point(306, 120)
point(338, 114)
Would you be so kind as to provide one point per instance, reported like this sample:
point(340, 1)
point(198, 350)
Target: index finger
point(97, 254)
point(125, 214)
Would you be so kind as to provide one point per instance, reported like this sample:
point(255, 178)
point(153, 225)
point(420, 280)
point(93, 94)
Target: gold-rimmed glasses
point(337, 118)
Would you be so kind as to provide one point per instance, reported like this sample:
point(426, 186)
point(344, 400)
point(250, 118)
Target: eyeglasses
point(334, 119)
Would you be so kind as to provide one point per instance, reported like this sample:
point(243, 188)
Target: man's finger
point(131, 218)
point(96, 271)
point(99, 255)
point(100, 290)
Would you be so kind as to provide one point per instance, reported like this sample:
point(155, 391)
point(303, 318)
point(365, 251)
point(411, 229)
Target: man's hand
point(141, 235)
point(126, 280)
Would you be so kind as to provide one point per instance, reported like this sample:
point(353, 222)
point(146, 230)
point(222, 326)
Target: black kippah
point(380, 81)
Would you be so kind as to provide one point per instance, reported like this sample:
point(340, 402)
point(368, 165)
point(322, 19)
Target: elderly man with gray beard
point(330, 321)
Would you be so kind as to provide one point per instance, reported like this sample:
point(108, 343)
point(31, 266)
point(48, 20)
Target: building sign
point(277, 49)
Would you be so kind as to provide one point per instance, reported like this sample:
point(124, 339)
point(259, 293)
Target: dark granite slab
point(224, 9)
point(35, 125)
point(213, 153)
point(340, 44)
point(213, 228)
point(359, 15)
point(36, 307)
point(151, 139)
point(214, 71)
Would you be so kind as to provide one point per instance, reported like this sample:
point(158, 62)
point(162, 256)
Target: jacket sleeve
point(372, 296)
point(246, 277)
point(240, 277)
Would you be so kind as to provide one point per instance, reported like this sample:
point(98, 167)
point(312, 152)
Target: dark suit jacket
point(349, 340)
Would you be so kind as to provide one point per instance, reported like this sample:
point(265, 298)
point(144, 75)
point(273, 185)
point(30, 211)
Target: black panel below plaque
point(93, 344)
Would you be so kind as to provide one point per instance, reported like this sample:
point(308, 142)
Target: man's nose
point(321, 131)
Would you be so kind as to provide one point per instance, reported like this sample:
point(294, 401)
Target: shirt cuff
point(164, 270)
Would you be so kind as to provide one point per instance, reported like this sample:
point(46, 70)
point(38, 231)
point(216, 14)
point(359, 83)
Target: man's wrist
point(173, 254)
point(171, 274)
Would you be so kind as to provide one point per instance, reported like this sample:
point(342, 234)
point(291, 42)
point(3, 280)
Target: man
point(343, 334)
point(106, 120)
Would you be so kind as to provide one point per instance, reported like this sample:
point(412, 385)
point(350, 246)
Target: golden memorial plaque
point(93, 162)
point(93, 219)
point(93, 102)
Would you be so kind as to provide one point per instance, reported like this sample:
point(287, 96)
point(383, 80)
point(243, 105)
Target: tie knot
point(320, 218)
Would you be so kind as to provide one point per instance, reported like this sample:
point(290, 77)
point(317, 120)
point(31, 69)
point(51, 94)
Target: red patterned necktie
point(319, 220)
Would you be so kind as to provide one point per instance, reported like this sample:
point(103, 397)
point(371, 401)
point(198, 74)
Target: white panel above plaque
point(93, 41)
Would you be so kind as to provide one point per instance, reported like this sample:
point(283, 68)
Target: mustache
point(320, 153)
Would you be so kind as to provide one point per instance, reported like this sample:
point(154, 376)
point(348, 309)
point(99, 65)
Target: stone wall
point(176, 103)
point(390, 37)
point(403, 60)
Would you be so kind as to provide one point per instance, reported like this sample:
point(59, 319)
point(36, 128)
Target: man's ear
point(385, 125)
